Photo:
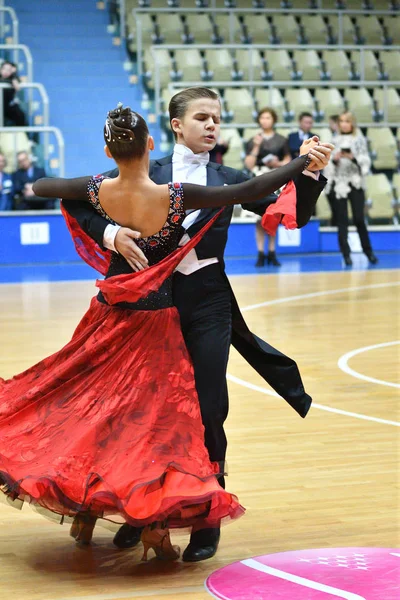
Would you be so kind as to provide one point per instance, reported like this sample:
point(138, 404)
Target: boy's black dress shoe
point(127, 536)
point(203, 544)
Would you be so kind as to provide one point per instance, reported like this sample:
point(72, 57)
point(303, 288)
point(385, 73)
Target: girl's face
point(345, 124)
point(199, 128)
point(266, 121)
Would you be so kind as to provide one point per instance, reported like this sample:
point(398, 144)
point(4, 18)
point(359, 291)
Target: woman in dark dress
point(110, 427)
point(266, 151)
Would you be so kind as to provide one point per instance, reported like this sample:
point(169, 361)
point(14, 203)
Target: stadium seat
point(300, 100)
point(170, 27)
point(337, 64)
point(190, 64)
point(349, 33)
point(257, 28)
point(315, 29)
point(392, 26)
point(272, 98)
point(233, 156)
point(10, 145)
point(370, 71)
point(220, 64)
point(165, 64)
point(148, 31)
point(329, 102)
point(379, 193)
point(245, 59)
point(391, 63)
point(384, 147)
point(239, 102)
point(280, 64)
point(223, 23)
point(200, 27)
point(286, 29)
point(250, 132)
point(166, 96)
point(393, 103)
point(371, 29)
point(396, 188)
point(360, 104)
point(324, 133)
point(308, 63)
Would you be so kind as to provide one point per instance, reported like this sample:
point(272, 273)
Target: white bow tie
point(202, 158)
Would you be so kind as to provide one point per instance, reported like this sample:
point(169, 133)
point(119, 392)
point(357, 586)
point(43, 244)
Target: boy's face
point(199, 128)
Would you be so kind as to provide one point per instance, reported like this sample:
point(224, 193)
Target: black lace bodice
point(155, 247)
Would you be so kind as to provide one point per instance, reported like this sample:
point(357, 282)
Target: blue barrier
point(38, 237)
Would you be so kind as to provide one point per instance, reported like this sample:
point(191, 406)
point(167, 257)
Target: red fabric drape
point(282, 211)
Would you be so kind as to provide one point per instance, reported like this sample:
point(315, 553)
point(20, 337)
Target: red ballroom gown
point(111, 423)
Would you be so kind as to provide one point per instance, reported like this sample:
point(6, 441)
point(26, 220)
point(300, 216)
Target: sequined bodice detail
point(155, 247)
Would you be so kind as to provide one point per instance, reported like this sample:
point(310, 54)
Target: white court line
point(338, 411)
point(308, 583)
point(316, 294)
point(262, 390)
point(343, 360)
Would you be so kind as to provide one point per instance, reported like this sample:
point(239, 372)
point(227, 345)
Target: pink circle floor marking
point(319, 574)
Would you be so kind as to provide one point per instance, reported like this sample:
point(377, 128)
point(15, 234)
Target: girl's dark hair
point(179, 103)
point(269, 110)
point(125, 133)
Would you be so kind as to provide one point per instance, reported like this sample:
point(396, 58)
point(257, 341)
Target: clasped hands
point(320, 153)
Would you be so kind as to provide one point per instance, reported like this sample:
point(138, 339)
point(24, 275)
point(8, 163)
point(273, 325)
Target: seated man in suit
point(24, 178)
point(296, 138)
point(6, 186)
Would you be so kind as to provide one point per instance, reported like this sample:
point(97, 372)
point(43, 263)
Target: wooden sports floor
point(330, 480)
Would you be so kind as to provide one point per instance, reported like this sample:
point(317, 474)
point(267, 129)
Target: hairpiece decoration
point(120, 124)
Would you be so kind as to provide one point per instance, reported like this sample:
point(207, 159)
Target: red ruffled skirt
point(111, 423)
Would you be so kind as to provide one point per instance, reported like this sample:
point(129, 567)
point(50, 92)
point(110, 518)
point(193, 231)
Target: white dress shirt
point(188, 167)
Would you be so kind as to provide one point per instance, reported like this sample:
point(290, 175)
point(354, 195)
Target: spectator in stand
point(24, 178)
point(296, 138)
point(11, 108)
point(346, 173)
point(6, 186)
point(266, 151)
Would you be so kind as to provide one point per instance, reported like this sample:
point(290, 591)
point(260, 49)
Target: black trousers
point(357, 200)
point(14, 113)
point(204, 303)
point(332, 203)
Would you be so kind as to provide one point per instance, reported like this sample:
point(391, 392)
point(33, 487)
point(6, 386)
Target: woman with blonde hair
point(346, 174)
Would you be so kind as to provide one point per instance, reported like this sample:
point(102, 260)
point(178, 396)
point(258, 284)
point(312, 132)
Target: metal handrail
point(251, 47)
point(288, 84)
point(294, 83)
point(323, 11)
point(45, 99)
point(28, 56)
point(55, 130)
point(233, 11)
point(14, 21)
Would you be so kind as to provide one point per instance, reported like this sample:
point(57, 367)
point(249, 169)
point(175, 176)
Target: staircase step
point(81, 29)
